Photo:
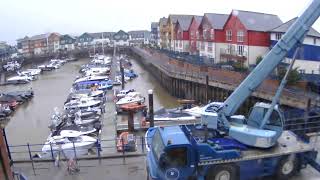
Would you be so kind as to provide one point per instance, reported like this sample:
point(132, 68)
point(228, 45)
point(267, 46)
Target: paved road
point(112, 169)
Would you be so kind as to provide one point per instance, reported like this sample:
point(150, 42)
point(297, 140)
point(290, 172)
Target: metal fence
point(102, 149)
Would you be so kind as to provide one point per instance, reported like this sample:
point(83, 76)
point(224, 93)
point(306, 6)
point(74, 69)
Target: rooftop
point(217, 21)
point(163, 21)
point(285, 26)
point(257, 21)
point(184, 21)
point(40, 36)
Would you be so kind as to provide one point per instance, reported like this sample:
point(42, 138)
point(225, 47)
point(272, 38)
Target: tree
point(258, 59)
point(293, 77)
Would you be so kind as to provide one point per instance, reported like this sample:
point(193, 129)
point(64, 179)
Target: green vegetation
point(258, 59)
point(294, 75)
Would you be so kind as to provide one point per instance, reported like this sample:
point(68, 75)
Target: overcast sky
point(30, 17)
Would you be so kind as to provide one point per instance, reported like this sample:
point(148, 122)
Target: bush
point(293, 77)
point(238, 66)
point(258, 59)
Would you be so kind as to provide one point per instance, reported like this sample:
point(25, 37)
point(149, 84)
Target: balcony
point(233, 55)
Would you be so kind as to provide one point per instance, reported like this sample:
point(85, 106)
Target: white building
point(308, 57)
point(121, 38)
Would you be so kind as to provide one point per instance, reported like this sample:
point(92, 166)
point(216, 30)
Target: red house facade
point(210, 31)
point(245, 37)
point(181, 31)
point(193, 29)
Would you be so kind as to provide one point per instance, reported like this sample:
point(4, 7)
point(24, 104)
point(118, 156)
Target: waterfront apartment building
point(85, 40)
point(210, 32)
point(155, 34)
point(171, 27)
point(53, 42)
point(308, 56)
point(121, 38)
point(245, 37)
point(39, 44)
point(100, 38)
point(163, 31)
point(67, 42)
point(181, 33)
point(139, 37)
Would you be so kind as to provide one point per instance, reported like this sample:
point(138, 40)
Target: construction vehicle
point(225, 146)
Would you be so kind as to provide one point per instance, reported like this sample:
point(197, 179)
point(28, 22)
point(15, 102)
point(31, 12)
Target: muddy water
point(29, 124)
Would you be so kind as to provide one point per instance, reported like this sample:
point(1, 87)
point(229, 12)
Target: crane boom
point(290, 39)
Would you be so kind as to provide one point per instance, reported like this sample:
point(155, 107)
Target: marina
point(214, 94)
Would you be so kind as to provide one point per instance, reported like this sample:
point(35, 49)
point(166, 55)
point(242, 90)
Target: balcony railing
point(233, 54)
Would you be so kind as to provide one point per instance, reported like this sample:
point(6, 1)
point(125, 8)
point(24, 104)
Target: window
point(204, 34)
point(229, 35)
point(210, 46)
point(240, 36)
point(192, 34)
point(314, 41)
point(278, 36)
point(157, 145)
point(229, 49)
point(211, 34)
point(177, 157)
point(275, 119)
point(202, 46)
point(240, 50)
point(197, 34)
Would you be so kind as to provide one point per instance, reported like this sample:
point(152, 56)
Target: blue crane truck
point(225, 146)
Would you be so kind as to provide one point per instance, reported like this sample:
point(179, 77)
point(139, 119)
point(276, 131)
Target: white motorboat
point(132, 97)
point(54, 65)
point(58, 61)
point(123, 93)
point(92, 78)
point(96, 71)
point(68, 142)
point(101, 59)
point(20, 79)
point(89, 104)
point(32, 72)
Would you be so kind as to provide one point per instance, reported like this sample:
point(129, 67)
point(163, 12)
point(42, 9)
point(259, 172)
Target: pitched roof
point(198, 19)
point(98, 35)
point(40, 36)
point(139, 34)
point(184, 21)
point(163, 21)
point(285, 26)
point(256, 21)
point(70, 36)
point(175, 17)
point(217, 21)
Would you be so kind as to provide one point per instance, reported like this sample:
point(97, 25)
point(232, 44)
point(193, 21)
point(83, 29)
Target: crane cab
point(251, 133)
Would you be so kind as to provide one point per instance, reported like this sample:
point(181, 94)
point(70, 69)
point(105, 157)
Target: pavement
point(132, 168)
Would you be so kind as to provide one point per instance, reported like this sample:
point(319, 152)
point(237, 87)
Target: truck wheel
point(287, 167)
point(222, 172)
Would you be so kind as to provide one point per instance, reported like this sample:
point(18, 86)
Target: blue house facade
point(67, 42)
point(84, 40)
point(308, 57)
